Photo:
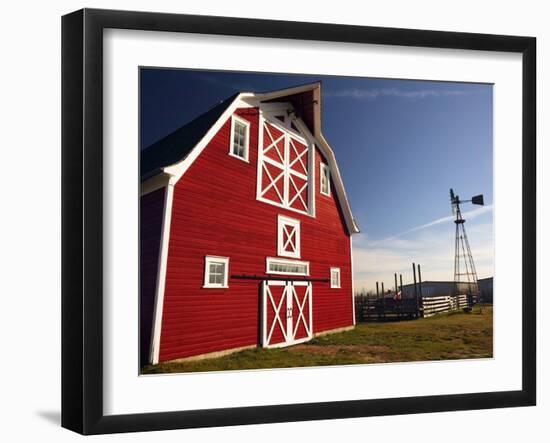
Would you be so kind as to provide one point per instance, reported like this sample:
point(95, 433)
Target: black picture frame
point(82, 218)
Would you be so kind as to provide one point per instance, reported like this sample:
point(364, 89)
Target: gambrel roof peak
point(173, 154)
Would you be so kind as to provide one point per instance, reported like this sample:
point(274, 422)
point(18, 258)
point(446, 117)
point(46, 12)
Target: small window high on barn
point(286, 267)
point(334, 277)
point(215, 271)
point(288, 238)
point(240, 134)
point(325, 179)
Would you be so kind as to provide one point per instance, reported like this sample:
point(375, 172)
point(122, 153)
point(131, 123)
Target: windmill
point(465, 270)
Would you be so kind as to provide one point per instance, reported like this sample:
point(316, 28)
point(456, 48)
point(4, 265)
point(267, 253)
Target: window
point(239, 138)
point(325, 179)
point(288, 238)
point(292, 267)
point(215, 271)
point(334, 277)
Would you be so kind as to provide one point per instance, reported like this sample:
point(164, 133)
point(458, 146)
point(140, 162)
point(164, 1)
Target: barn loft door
point(286, 317)
point(283, 174)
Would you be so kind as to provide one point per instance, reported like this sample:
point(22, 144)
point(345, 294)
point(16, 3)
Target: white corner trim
point(216, 259)
point(352, 279)
point(236, 118)
point(161, 275)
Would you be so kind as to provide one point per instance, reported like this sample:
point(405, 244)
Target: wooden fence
point(368, 308)
point(435, 305)
point(372, 308)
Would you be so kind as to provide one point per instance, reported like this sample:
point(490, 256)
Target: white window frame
point(335, 271)
point(246, 123)
point(215, 259)
point(270, 260)
point(283, 221)
point(324, 167)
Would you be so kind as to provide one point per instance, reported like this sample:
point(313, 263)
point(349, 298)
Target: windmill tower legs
point(465, 278)
point(465, 274)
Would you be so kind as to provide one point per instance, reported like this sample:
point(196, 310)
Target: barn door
point(275, 314)
point(284, 164)
point(286, 317)
point(300, 293)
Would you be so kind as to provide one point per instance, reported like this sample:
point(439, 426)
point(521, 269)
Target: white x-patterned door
point(287, 313)
point(283, 174)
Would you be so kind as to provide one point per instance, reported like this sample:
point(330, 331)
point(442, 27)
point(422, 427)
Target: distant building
point(439, 288)
point(485, 290)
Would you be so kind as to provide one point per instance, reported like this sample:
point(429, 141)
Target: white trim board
point(161, 275)
point(352, 279)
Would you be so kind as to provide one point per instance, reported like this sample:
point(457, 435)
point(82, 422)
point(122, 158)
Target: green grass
point(446, 336)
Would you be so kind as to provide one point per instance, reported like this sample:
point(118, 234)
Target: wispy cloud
point(377, 260)
point(468, 215)
point(371, 94)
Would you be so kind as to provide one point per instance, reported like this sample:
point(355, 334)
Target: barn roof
point(176, 145)
point(174, 153)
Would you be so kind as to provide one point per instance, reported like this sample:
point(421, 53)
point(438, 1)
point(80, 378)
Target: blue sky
point(400, 146)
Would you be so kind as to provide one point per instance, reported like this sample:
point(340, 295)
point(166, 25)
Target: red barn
point(245, 230)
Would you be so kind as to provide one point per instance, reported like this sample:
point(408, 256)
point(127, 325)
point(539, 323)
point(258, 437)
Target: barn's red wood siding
point(151, 213)
point(215, 212)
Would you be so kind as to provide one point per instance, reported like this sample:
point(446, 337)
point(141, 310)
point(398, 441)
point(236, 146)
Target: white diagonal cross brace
point(301, 311)
point(273, 143)
point(298, 192)
point(276, 311)
point(298, 156)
